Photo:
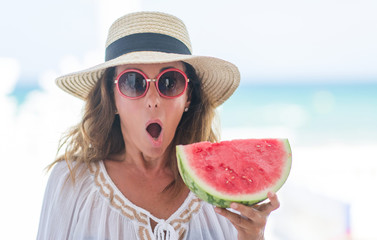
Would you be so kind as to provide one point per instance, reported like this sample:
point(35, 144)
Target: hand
point(252, 221)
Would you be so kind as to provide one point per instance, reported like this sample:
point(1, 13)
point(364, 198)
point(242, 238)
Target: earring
point(186, 109)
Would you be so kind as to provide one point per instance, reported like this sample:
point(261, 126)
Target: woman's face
point(149, 123)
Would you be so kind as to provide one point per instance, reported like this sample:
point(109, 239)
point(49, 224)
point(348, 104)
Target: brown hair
point(99, 135)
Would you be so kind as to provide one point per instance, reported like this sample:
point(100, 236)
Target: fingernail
point(234, 206)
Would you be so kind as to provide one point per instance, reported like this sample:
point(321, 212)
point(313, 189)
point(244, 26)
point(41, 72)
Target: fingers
point(251, 215)
point(251, 221)
point(274, 202)
point(240, 222)
point(270, 206)
point(256, 215)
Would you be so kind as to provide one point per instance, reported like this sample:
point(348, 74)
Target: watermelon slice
point(243, 170)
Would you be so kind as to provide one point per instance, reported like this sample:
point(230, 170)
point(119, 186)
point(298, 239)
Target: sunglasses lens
point(132, 84)
point(172, 83)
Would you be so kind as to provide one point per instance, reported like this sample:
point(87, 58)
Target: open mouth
point(154, 129)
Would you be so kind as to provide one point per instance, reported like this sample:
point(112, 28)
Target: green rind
point(222, 201)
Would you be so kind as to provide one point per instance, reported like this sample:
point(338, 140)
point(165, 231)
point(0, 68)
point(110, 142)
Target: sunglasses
point(134, 84)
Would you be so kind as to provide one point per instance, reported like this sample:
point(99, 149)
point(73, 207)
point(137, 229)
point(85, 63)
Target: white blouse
point(94, 208)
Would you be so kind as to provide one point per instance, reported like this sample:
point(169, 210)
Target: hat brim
point(219, 78)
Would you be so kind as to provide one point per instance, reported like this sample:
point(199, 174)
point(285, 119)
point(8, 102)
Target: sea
point(332, 129)
point(316, 113)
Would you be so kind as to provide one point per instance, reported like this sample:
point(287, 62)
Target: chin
point(157, 151)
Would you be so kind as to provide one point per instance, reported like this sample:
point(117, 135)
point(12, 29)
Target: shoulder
point(65, 175)
point(63, 200)
point(65, 182)
point(66, 188)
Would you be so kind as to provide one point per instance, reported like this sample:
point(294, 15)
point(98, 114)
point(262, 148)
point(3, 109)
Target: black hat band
point(145, 42)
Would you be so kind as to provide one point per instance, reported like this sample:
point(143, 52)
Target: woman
point(118, 178)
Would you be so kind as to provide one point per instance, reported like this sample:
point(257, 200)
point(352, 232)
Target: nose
point(152, 96)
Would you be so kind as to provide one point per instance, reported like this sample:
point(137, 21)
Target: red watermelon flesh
point(242, 170)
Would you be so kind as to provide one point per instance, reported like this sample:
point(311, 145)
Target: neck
point(150, 166)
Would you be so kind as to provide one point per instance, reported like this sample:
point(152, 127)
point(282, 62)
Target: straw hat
point(154, 37)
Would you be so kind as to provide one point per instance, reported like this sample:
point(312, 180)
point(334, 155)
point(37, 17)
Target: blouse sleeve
point(61, 204)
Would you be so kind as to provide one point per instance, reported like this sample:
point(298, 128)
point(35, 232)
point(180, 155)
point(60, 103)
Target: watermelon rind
point(223, 200)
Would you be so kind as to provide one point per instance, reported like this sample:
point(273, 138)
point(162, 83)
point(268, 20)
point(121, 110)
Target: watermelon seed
point(226, 169)
point(248, 179)
point(258, 146)
point(232, 177)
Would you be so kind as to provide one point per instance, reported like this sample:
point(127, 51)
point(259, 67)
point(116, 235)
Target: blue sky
point(293, 40)
point(39, 33)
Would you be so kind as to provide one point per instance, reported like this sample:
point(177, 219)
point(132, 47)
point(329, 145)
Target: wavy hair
point(99, 134)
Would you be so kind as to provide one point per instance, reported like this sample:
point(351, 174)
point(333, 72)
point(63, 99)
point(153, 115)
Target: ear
point(188, 102)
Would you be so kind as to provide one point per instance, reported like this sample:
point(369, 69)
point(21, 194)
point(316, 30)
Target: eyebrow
point(161, 70)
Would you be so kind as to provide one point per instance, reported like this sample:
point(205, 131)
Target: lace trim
point(180, 223)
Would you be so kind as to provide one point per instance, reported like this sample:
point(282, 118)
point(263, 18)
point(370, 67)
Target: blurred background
point(309, 74)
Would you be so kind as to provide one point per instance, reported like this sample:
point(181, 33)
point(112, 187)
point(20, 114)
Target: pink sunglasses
point(134, 84)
